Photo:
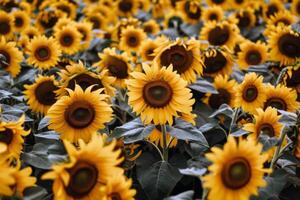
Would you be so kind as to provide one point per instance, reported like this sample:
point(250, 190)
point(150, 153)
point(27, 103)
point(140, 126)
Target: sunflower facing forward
point(251, 93)
point(213, 13)
point(183, 55)
point(131, 39)
point(80, 114)
point(41, 94)
point(191, 10)
point(88, 169)
point(21, 20)
point(159, 90)
point(11, 57)
point(237, 171)
point(6, 25)
point(43, 52)
point(68, 39)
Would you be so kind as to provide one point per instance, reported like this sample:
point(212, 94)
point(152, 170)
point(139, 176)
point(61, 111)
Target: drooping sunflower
point(89, 168)
point(6, 25)
point(191, 10)
point(252, 54)
point(85, 30)
point(217, 61)
point(147, 49)
point(68, 39)
point(251, 93)
point(119, 187)
point(11, 57)
point(224, 4)
point(183, 55)
point(23, 180)
point(79, 114)
point(213, 13)
point(281, 98)
point(131, 39)
point(226, 92)
point(76, 73)
point(127, 8)
point(11, 134)
point(237, 171)
point(272, 8)
point(245, 18)
point(66, 7)
point(220, 33)
point(151, 27)
point(41, 94)
point(156, 136)
point(265, 122)
point(43, 52)
point(21, 20)
point(159, 90)
point(6, 177)
point(295, 7)
point(118, 65)
point(285, 45)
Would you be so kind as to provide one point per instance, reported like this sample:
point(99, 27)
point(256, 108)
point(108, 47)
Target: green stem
point(278, 148)
point(158, 150)
point(165, 147)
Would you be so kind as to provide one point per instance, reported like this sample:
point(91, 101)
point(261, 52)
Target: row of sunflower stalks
point(149, 99)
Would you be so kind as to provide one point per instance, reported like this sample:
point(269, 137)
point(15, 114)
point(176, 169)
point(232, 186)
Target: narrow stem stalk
point(165, 147)
point(278, 148)
point(234, 118)
point(280, 76)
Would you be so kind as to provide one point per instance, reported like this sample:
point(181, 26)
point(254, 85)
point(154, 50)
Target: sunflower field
point(149, 99)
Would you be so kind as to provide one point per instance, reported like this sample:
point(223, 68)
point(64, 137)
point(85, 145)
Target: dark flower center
point(96, 22)
point(213, 16)
point(67, 40)
point(133, 41)
point(239, 1)
point(294, 80)
point(218, 1)
point(215, 64)
point(115, 196)
point(277, 103)
point(5, 59)
point(179, 57)
point(19, 22)
point(65, 9)
point(250, 93)
point(272, 9)
point(83, 178)
point(84, 81)
point(80, 114)
point(283, 21)
point(289, 45)
point(44, 93)
point(218, 36)
point(193, 15)
point(253, 57)
point(244, 20)
point(298, 7)
point(157, 94)
point(4, 27)
point(6, 136)
point(149, 53)
point(52, 19)
point(148, 29)
point(216, 100)
point(125, 5)
point(117, 67)
point(42, 53)
point(266, 129)
point(83, 33)
point(236, 173)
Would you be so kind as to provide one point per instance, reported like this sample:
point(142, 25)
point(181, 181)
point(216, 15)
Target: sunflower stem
point(281, 74)
point(158, 150)
point(278, 148)
point(234, 118)
point(165, 147)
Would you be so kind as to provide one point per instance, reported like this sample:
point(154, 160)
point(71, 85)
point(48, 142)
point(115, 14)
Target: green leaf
point(267, 141)
point(38, 161)
point(188, 195)
point(35, 193)
point(159, 180)
point(197, 172)
point(223, 110)
point(203, 86)
point(288, 118)
point(43, 123)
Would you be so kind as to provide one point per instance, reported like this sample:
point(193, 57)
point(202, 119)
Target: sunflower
point(272, 8)
point(159, 90)
point(252, 54)
point(147, 49)
point(68, 39)
point(44, 52)
point(30, 32)
point(127, 8)
point(191, 10)
point(47, 19)
point(62, 22)
point(23, 42)
point(11, 57)
point(151, 27)
point(23, 179)
point(238, 4)
point(80, 114)
point(236, 171)
point(117, 64)
point(213, 13)
point(297, 148)
point(123, 23)
point(66, 7)
point(119, 187)
point(41, 94)
point(245, 18)
point(98, 21)
point(291, 78)
point(76, 73)
point(6, 177)
point(11, 134)
point(85, 29)
point(6, 25)
point(24, 6)
point(224, 4)
point(295, 7)
point(131, 39)
point(173, 19)
point(144, 5)
point(183, 55)
point(251, 93)
point(89, 168)
point(217, 61)
point(281, 98)
point(220, 33)
point(156, 137)
point(265, 122)
point(285, 45)
point(226, 92)
point(21, 20)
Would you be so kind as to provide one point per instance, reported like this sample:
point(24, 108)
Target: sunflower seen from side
point(236, 171)
point(11, 57)
point(43, 52)
point(183, 55)
point(251, 93)
point(79, 114)
point(131, 39)
point(6, 25)
point(88, 169)
point(159, 90)
point(41, 94)
point(252, 54)
point(68, 39)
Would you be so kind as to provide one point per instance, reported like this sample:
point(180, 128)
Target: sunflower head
point(47, 19)
point(97, 20)
point(131, 39)
point(21, 20)
point(127, 8)
point(292, 77)
point(272, 8)
point(191, 10)
point(119, 187)
point(213, 13)
point(245, 18)
point(6, 25)
point(30, 32)
point(68, 39)
point(147, 49)
point(295, 7)
point(224, 4)
point(151, 27)
point(85, 30)
point(66, 7)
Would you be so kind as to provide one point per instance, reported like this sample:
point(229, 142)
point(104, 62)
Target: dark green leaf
point(188, 195)
point(202, 85)
point(43, 123)
point(35, 193)
point(288, 118)
point(38, 161)
point(267, 142)
point(223, 110)
point(193, 171)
